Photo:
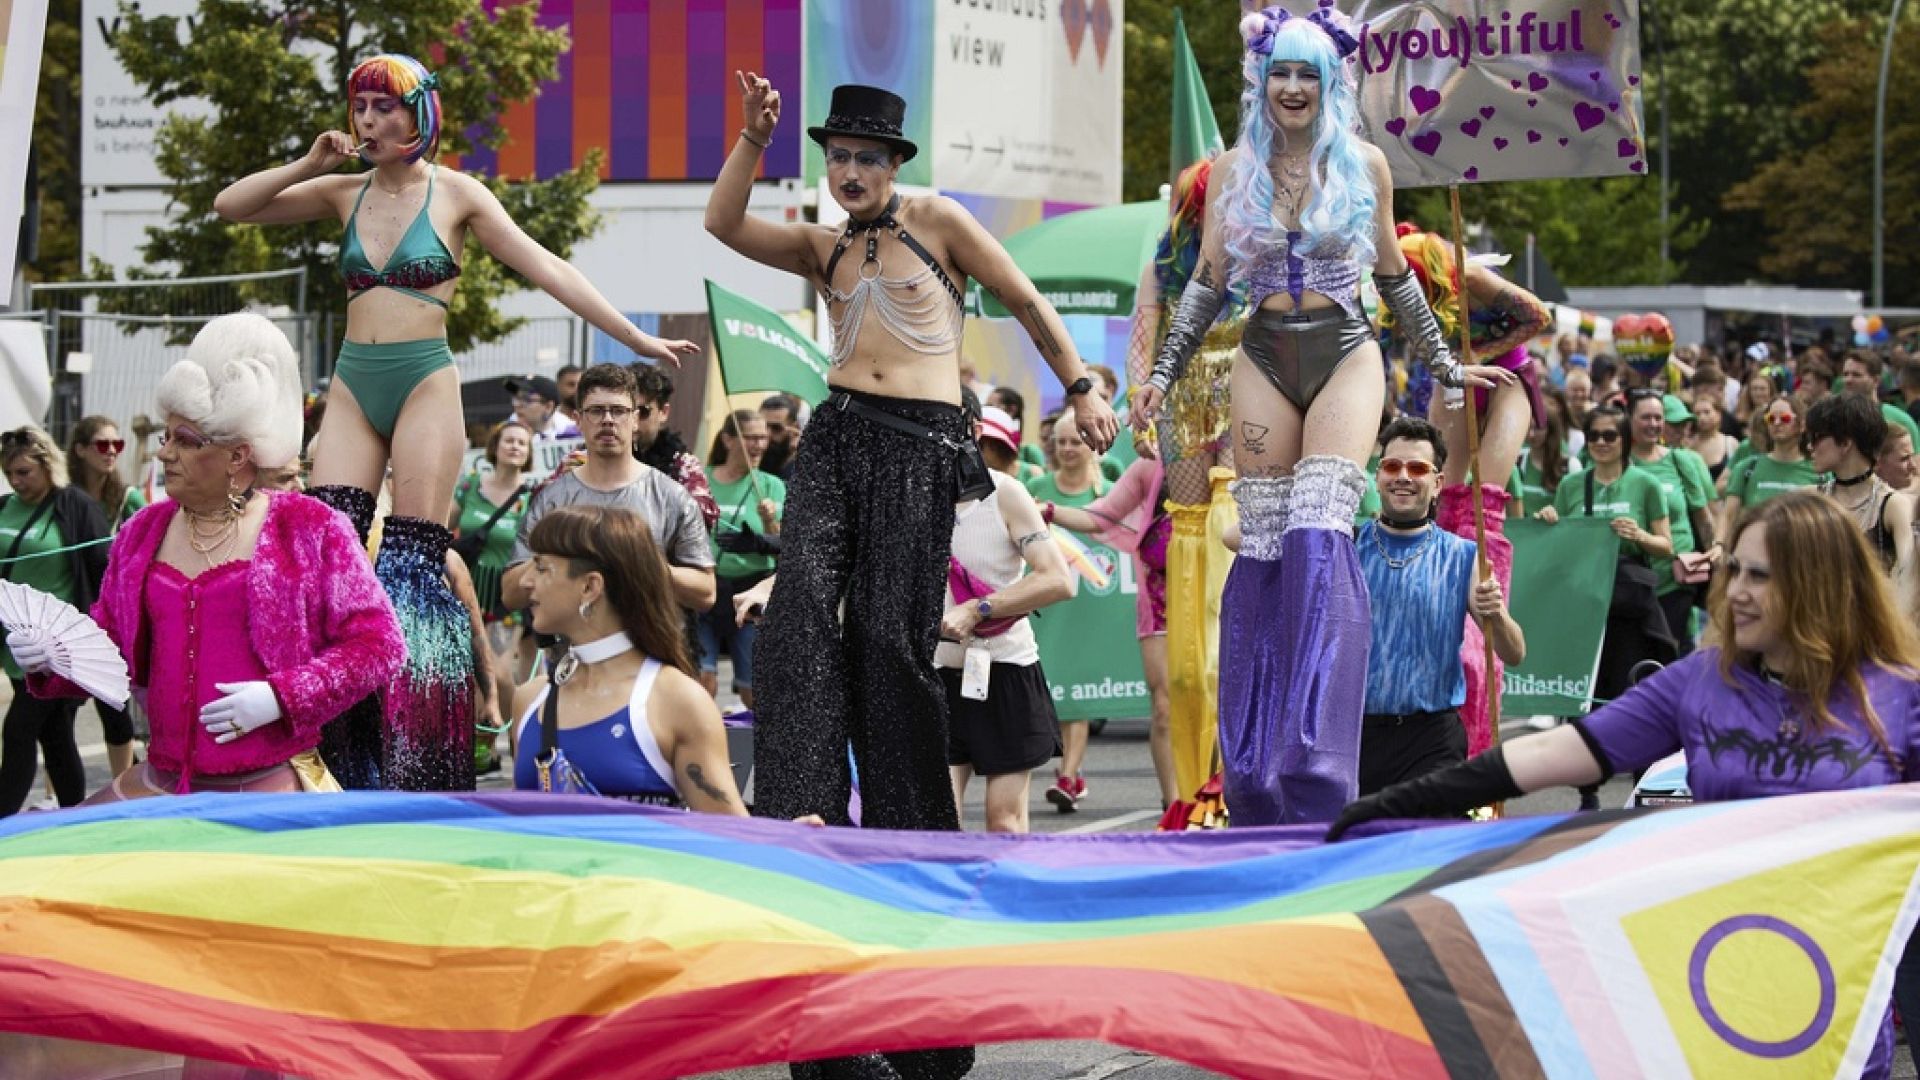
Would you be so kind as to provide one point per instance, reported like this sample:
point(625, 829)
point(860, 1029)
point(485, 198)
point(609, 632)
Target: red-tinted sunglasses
point(109, 446)
point(1417, 470)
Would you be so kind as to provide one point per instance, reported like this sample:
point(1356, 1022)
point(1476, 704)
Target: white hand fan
point(85, 655)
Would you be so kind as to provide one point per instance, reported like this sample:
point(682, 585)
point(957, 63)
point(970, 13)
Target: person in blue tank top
point(406, 223)
point(633, 720)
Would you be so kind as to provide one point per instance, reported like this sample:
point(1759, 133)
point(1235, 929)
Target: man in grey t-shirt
point(612, 478)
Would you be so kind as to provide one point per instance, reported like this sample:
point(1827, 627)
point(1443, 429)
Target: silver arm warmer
point(1200, 305)
point(1403, 296)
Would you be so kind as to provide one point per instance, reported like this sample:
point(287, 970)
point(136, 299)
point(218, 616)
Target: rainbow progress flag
point(536, 936)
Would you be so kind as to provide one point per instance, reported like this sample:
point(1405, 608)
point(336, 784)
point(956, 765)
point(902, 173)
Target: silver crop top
point(1332, 272)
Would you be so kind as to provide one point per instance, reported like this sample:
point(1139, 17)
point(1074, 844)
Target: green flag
point(1562, 588)
point(1196, 135)
point(760, 350)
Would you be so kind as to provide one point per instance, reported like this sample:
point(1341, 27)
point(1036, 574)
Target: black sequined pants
point(868, 521)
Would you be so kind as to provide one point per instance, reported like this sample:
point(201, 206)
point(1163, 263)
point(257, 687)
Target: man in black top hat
point(871, 496)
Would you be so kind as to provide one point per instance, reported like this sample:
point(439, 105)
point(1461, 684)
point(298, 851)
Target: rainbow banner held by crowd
point(454, 936)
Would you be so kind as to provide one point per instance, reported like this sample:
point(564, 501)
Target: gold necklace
point(394, 193)
point(225, 529)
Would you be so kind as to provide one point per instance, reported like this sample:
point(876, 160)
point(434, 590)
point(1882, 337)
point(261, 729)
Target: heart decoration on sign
point(1426, 142)
point(1470, 128)
point(1499, 143)
point(1536, 82)
point(1396, 126)
point(1487, 111)
point(1588, 116)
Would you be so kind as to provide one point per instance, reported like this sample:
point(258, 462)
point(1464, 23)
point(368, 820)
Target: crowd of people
point(1321, 585)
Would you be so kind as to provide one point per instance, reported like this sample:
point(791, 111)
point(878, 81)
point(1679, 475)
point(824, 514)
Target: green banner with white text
point(761, 351)
point(1088, 648)
point(1562, 588)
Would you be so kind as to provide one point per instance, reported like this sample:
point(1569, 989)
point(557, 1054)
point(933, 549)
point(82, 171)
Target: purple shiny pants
point(1293, 680)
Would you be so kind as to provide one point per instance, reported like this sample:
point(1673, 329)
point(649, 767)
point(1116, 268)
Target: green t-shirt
point(131, 505)
point(1045, 490)
point(1370, 501)
point(1688, 486)
point(1758, 479)
point(474, 512)
point(740, 509)
point(1028, 472)
point(1534, 494)
point(1897, 416)
point(1633, 495)
point(51, 574)
point(1741, 453)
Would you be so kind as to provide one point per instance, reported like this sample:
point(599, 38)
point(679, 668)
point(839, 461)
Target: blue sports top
point(618, 755)
point(419, 261)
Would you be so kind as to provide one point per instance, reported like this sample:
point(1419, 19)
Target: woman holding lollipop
point(406, 221)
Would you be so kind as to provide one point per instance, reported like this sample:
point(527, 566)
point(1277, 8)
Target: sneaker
point(1062, 794)
point(1079, 788)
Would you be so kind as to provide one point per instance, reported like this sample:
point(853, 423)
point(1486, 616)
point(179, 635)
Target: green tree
point(1738, 72)
point(1213, 27)
point(56, 145)
point(1591, 230)
point(275, 74)
point(1816, 204)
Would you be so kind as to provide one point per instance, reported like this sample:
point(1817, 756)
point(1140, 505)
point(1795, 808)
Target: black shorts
point(1395, 749)
point(1014, 730)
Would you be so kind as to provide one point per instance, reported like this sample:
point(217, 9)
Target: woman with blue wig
point(394, 384)
point(1306, 204)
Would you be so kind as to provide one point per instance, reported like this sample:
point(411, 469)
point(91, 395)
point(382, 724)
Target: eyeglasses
point(600, 414)
point(1781, 419)
point(184, 439)
point(1604, 437)
point(866, 159)
point(1413, 470)
point(109, 446)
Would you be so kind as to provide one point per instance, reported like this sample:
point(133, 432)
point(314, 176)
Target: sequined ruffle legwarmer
point(353, 745)
point(1456, 516)
point(429, 704)
point(1294, 638)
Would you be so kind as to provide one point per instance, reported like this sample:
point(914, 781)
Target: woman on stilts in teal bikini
point(395, 387)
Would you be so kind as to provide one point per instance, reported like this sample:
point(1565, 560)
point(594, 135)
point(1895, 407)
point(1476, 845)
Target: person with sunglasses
point(1636, 508)
point(1782, 466)
point(782, 414)
point(611, 477)
point(93, 456)
point(1424, 586)
point(249, 620)
point(657, 445)
point(1688, 488)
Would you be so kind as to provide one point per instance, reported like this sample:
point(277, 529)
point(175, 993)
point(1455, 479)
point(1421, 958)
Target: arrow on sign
point(967, 146)
point(1001, 149)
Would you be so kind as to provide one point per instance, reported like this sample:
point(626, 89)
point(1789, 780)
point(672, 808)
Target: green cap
point(1676, 410)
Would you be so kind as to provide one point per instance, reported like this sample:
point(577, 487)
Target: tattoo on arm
point(699, 778)
point(1253, 437)
point(1030, 538)
point(1205, 274)
point(1042, 333)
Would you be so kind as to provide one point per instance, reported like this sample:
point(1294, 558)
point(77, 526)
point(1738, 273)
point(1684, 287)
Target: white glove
point(247, 707)
point(32, 651)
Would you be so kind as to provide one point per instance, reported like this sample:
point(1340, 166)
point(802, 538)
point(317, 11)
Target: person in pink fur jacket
point(248, 619)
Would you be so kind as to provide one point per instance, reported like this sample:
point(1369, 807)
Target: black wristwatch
point(1081, 385)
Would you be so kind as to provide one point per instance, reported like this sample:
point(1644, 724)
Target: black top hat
point(867, 112)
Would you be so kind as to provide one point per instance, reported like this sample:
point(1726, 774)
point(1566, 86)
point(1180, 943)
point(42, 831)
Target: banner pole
point(719, 361)
point(1484, 567)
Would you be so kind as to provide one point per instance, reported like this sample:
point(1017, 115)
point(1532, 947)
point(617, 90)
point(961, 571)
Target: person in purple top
point(1813, 685)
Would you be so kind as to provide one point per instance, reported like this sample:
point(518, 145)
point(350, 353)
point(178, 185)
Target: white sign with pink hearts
point(1457, 91)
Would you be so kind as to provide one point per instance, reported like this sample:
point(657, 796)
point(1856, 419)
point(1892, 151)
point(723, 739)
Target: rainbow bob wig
point(410, 81)
point(1338, 216)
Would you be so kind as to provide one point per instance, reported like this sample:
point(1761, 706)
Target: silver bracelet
point(749, 137)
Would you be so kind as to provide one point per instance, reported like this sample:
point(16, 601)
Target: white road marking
point(1105, 824)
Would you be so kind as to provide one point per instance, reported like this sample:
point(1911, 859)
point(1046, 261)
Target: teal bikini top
point(419, 261)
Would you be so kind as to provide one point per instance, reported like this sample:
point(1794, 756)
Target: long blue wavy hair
point(1339, 211)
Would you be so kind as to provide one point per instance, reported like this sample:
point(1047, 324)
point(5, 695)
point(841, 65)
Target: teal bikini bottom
point(383, 376)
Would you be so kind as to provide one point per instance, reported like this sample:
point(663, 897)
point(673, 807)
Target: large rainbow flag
point(534, 936)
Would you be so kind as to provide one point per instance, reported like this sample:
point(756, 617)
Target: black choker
point(1408, 523)
point(1851, 481)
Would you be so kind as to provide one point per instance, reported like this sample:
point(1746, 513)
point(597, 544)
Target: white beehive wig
point(240, 383)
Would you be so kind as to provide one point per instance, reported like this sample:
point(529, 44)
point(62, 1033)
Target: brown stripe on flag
point(1428, 986)
point(1486, 1005)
